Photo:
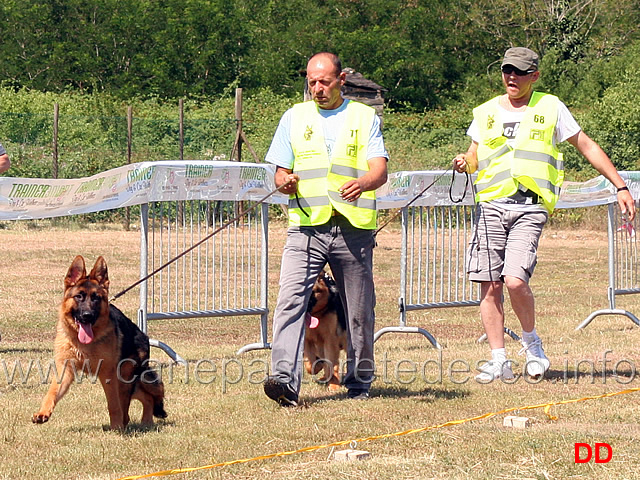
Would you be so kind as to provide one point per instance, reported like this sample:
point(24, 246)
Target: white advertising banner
point(135, 184)
point(403, 187)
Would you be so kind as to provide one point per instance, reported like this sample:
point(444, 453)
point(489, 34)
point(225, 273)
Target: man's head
point(522, 58)
point(519, 72)
point(325, 78)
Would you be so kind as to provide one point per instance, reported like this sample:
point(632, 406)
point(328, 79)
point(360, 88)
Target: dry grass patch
point(212, 421)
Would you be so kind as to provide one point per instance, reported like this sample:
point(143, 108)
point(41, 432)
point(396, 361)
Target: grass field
point(218, 412)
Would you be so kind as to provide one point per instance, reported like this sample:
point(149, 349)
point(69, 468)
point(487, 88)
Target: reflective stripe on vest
point(556, 163)
point(310, 174)
point(534, 162)
point(347, 171)
point(321, 177)
point(482, 164)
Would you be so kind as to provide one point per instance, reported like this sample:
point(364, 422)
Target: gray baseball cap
point(522, 58)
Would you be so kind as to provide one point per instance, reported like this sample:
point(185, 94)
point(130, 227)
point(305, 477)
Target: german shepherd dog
point(325, 332)
point(94, 337)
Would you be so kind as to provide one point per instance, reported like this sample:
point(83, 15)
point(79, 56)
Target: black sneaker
point(358, 394)
point(280, 392)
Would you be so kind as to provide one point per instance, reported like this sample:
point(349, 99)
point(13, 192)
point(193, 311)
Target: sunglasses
point(509, 69)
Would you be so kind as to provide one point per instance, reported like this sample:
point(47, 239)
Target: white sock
point(499, 355)
point(530, 337)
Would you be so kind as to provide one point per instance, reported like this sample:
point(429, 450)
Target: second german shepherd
point(94, 337)
point(326, 331)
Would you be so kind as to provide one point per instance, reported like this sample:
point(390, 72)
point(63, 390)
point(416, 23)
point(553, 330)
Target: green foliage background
point(436, 59)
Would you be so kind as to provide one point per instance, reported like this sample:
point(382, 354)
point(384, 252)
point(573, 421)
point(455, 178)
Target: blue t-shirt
point(281, 154)
point(2, 150)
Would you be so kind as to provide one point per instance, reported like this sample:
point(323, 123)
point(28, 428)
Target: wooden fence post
point(180, 205)
point(127, 215)
point(181, 109)
point(238, 141)
point(241, 139)
point(56, 111)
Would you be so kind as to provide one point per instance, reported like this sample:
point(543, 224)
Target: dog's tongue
point(85, 333)
point(312, 321)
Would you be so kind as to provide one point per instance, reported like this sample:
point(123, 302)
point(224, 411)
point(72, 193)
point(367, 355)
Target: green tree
point(614, 120)
point(426, 53)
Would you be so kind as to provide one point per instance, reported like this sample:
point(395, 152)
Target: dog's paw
point(334, 387)
point(40, 417)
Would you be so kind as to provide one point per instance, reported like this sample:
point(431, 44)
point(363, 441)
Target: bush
point(615, 123)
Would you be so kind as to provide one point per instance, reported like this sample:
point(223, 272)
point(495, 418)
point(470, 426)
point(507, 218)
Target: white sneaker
point(537, 362)
point(493, 370)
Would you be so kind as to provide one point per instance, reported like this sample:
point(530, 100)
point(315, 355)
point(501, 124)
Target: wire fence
point(87, 144)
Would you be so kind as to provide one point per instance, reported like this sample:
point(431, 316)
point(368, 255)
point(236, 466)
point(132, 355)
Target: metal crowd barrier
point(227, 274)
point(624, 263)
point(224, 276)
point(433, 263)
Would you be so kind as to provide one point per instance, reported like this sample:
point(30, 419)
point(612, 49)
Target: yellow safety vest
point(533, 162)
point(321, 176)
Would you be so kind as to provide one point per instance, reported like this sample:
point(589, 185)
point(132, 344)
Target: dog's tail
point(152, 385)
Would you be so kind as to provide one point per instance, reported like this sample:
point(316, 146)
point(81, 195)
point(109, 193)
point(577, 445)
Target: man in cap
point(513, 148)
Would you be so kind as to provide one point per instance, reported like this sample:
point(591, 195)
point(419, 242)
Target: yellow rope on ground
point(546, 406)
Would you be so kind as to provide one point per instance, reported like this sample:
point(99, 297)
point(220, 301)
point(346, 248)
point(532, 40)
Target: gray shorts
point(505, 242)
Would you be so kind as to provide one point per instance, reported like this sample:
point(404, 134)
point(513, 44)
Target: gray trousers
point(349, 253)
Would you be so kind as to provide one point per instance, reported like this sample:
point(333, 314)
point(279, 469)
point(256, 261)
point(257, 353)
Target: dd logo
point(590, 452)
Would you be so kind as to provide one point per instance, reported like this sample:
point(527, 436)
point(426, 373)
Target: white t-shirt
point(281, 153)
point(566, 127)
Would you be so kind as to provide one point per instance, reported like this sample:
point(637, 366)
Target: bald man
point(330, 158)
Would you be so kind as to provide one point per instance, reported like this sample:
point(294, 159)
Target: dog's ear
point(76, 272)
point(99, 273)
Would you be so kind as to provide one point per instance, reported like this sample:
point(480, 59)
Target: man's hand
point(290, 184)
point(286, 181)
point(374, 178)
point(627, 205)
point(467, 162)
point(460, 164)
point(351, 191)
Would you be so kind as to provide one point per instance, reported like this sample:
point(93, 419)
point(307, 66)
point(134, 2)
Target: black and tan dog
point(326, 331)
point(96, 338)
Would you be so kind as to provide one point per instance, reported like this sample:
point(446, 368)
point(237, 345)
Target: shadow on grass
point(135, 429)
point(429, 395)
point(593, 377)
point(132, 430)
point(9, 351)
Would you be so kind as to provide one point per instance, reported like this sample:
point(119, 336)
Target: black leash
point(399, 210)
point(217, 230)
point(300, 205)
point(424, 190)
point(263, 199)
point(466, 186)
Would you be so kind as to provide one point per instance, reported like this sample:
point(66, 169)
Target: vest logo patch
point(308, 133)
point(490, 121)
point(510, 130)
point(536, 135)
point(352, 148)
